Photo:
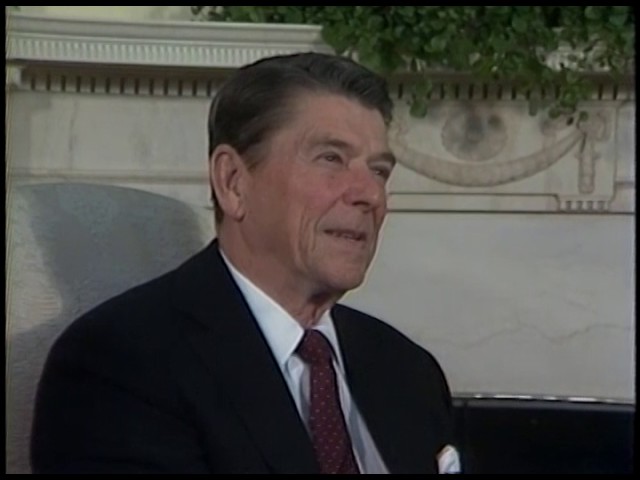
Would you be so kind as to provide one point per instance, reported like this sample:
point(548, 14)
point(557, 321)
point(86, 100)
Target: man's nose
point(365, 188)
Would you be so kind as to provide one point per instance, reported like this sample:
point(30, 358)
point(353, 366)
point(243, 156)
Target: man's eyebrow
point(342, 145)
point(330, 142)
point(387, 157)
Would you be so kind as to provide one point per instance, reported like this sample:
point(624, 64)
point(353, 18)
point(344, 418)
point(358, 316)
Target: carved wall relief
point(497, 149)
point(474, 134)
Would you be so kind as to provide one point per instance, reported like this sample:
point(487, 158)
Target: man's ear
point(227, 174)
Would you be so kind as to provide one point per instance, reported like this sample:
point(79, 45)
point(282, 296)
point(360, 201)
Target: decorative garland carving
point(481, 173)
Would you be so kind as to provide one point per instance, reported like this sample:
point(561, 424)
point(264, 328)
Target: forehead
point(330, 115)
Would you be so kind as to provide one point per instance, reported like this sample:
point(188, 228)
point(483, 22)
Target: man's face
point(317, 200)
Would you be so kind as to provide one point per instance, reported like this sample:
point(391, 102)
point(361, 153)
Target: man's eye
point(382, 172)
point(332, 157)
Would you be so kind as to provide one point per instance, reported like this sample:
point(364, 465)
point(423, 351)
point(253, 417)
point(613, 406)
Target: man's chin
point(345, 282)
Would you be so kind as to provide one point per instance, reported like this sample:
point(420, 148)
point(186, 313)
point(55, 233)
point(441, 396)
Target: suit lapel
point(206, 290)
point(379, 402)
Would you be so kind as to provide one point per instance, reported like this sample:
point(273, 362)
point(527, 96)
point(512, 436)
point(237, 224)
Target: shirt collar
point(282, 332)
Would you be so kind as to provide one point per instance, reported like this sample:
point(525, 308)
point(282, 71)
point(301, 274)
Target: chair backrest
point(69, 247)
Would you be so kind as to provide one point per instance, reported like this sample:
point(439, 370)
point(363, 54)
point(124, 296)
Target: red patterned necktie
point(328, 429)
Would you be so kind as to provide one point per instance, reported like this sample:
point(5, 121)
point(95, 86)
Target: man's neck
point(299, 301)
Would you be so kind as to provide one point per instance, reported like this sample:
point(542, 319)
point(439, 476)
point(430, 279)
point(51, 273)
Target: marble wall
point(523, 304)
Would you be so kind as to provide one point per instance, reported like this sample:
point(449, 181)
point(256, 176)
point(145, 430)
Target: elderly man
point(241, 360)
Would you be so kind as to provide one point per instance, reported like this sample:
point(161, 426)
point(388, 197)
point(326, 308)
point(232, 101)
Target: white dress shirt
point(283, 334)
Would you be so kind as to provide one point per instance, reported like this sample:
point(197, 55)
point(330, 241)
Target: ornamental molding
point(176, 44)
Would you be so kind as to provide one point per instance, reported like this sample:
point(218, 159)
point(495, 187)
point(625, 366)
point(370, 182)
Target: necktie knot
point(314, 348)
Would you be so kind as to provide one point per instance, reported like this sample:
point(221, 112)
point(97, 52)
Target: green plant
point(501, 43)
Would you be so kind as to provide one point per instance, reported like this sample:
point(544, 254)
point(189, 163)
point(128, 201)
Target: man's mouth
point(347, 234)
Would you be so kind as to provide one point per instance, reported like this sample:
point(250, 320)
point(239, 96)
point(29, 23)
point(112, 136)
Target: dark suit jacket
point(175, 376)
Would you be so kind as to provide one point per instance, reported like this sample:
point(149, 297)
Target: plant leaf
point(418, 108)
